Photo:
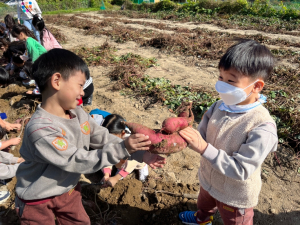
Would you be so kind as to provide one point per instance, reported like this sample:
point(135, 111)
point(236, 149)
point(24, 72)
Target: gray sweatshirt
point(8, 171)
point(56, 152)
point(261, 141)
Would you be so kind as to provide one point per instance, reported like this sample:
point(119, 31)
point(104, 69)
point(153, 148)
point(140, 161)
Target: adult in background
point(27, 9)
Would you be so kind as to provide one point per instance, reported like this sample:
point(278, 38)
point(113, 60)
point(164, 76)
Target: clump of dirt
point(156, 201)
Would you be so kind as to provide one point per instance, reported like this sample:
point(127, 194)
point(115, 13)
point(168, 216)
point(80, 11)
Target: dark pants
point(66, 208)
point(207, 206)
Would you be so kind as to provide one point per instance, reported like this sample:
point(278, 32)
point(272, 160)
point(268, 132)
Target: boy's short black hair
point(17, 59)
point(2, 132)
point(4, 76)
point(249, 58)
point(57, 61)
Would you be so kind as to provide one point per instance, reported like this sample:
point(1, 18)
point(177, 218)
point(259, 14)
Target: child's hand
point(111, 182)
point(154, 160)
point(14, 141)
point(20, 160)
point(105, 178)
point(194, 138)
point(29, 92)
point(10, 126)
point(137, 142)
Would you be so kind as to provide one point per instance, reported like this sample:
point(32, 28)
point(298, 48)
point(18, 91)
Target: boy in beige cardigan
point(234, 137)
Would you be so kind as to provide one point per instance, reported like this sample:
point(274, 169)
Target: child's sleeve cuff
point(123, 173)
point(211, 153)
point(14, 160)
point(107, 170)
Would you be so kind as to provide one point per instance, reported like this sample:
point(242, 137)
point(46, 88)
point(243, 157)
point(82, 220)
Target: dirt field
point(132, 202)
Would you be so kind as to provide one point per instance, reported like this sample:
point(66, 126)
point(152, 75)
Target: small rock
point(184, 200)
point(152, 184)
point(264, 176)
point(273, 211)
point(190, 167)
point(197, 64)
point(157, 122)
point(192, 205)
point(153, 215)
point(171, 176)
point(136, 106)
point(161, 206)
point(158, 199)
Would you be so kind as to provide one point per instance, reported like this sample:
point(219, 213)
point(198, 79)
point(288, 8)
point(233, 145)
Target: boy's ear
point(56, 81)
point(258, 86)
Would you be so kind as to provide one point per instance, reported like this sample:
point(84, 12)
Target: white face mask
point(230, 94)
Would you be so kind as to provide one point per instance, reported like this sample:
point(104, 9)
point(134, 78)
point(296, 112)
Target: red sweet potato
point(184, 119)
point(187, 110)
point(160, 143)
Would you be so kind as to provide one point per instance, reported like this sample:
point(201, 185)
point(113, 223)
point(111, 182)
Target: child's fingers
point(142, 136)
point(160, 158)
point(191, 131)
point(142, 144)
point(185, 136)
point(142, 148)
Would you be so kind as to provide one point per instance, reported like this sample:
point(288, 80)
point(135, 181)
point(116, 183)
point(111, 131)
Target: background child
point(4, 43)
point(114, 125)
point(4, 77)
point(56, 145)
point(236, 135)
point(13, 49)
point(10, 23)
point(47, 39)
point(7, 170)
point(88, 89)
point(3, 32)
point(34, 48)
point(18, 66)
point(27, 70)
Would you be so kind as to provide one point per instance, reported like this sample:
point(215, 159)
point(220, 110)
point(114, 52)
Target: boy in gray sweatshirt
point(234, 137)
point(57, 141)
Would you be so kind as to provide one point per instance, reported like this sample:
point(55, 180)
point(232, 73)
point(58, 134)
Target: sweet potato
point(187, 110)
point(160, 143)
point(184, 119)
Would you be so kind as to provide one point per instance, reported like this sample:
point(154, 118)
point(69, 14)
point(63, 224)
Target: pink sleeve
point(123, 173)
point(49, 41)
point(107, 170)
